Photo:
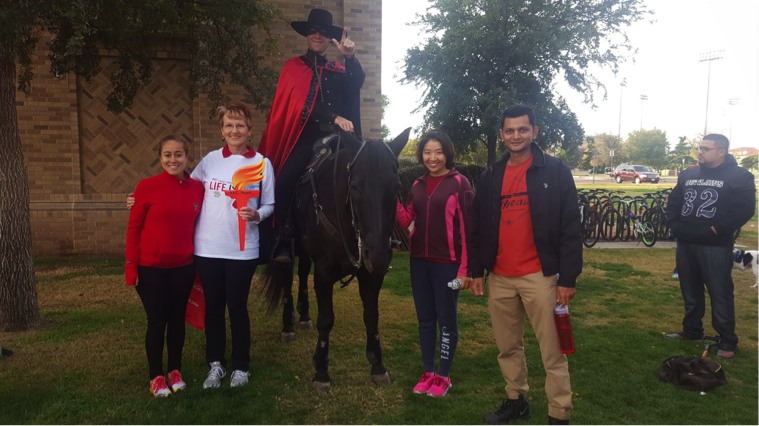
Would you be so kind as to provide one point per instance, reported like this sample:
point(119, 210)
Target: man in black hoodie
point(709, 203)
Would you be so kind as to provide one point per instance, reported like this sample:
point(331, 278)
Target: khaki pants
point(508, 300)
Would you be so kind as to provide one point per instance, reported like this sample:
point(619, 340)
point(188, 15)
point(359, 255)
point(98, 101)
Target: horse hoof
point(288, 337)
point(321, 387)
point(381, 380)
point(307, 325)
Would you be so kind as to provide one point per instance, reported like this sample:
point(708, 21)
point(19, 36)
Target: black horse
point(289, 308)
point(346, 213)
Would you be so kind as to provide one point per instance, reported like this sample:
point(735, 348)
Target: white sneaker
point(214, 376)
point(238, 378)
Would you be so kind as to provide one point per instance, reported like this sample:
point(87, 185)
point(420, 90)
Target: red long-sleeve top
point(162, 223)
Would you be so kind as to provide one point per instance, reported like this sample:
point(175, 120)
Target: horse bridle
point(349, 200)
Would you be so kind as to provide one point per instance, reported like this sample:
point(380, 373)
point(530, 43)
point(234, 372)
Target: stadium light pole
point(709, 57)
point(642, 98)
point(621, 86)
point(732, 102)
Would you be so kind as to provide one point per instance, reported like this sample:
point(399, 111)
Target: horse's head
point(374, 187)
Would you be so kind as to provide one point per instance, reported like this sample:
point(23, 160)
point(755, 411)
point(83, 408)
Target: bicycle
point(641, 228)
point(589, 221)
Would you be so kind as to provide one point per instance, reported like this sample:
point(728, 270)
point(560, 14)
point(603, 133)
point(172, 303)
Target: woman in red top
point(159, 261)
point(439, 205)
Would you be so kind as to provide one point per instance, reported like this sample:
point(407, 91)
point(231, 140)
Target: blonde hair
point(234, 109)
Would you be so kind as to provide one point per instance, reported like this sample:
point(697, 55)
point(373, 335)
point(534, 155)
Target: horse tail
point(276, 279)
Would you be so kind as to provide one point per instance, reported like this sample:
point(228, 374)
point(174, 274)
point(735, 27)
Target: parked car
point(609, 171)
point(597, 171)
point(635, 173)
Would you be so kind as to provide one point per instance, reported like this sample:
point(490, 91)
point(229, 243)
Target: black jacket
point(553, 209)
point(723, 197)
point(339, 92)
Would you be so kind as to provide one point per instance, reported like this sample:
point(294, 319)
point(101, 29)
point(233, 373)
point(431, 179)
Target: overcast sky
point(666, 69)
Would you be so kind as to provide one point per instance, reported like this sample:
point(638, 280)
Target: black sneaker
point(555, 421)
point(511, 409)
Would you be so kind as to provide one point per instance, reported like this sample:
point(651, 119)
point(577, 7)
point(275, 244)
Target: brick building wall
point(82, 160)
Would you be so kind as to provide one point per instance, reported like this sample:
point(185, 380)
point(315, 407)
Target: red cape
point(286, 120)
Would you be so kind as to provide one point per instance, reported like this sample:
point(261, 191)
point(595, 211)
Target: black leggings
point(164, 293)
point(226, 284)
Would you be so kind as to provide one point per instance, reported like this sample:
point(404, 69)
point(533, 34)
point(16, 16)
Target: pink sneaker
point(176, 383)
point(424, 383)
point(439, 386)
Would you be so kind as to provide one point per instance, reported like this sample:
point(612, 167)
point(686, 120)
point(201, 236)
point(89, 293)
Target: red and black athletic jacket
point(442, 221)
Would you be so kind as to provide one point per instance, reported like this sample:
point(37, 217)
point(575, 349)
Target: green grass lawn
point(86, 362)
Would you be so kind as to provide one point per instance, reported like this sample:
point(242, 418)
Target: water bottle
point(564, 328)
point(455, 284)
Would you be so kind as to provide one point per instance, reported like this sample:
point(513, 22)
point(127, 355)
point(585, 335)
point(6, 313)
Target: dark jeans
point(292, 170)
point(164, 293)
point(700, 265)
point(226, 285)
point(436, 306)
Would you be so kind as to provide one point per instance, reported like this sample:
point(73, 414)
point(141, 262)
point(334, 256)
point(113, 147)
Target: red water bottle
point(564, 328)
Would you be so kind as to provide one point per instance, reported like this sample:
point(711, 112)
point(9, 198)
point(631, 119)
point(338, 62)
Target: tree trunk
point(18, 291)
point(492, 141)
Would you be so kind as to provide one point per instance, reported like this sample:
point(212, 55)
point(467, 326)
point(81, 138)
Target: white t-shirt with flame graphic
point(217, 231)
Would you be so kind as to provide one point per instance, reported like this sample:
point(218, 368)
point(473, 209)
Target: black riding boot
point(284, 251)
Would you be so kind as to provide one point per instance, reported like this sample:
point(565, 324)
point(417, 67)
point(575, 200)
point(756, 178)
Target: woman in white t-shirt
point(225, 263)
point(225, 267)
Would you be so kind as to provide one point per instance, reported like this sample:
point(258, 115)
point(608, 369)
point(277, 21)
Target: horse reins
point(337, 232)
point(356, 263)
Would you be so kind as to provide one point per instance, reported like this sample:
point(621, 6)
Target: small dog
point(743, 259)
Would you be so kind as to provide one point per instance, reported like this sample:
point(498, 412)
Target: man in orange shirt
point(526, 233)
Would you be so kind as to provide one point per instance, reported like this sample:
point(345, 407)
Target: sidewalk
point(633, 245)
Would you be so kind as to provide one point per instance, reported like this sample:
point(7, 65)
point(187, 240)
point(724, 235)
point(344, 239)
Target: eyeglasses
point(239, 127)
point(705, 148)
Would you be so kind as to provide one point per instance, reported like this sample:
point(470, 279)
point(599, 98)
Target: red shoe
point(175, 382)
point(158, 387)
point(439, 386)
point(424, 383)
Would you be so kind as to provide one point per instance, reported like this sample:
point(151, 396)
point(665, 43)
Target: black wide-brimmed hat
point(318, 19)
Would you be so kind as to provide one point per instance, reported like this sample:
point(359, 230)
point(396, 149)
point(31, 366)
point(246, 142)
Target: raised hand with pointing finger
point(346, 46)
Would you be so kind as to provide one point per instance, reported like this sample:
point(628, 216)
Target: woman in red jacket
point(159, 259)
point(439, 205)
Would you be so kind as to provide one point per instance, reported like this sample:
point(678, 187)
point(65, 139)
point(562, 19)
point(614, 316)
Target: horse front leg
point(324, 286)
point(304, 269)
point(288, 311)
point(369, 288)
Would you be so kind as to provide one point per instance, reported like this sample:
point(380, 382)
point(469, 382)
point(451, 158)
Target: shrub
point(404, 162)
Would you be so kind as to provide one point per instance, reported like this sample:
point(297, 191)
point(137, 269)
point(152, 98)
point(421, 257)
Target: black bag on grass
point(693, 373)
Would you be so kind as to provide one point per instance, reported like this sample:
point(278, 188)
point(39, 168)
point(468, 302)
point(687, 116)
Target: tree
point(589, 153)
point(605, 143)
point(647, 147)
point(227, 40)
point(484, 55)
point(750, 162)
point(571, 156)
point(680, 157)
point(384, 131)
